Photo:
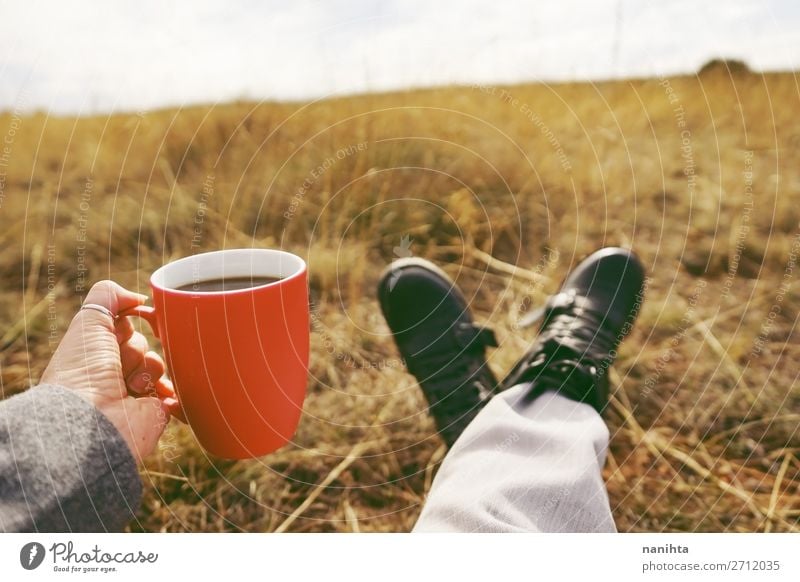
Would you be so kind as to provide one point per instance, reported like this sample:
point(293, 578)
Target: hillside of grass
point(506, 188)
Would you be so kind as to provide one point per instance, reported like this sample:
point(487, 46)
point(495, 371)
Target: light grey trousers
point(532, 466)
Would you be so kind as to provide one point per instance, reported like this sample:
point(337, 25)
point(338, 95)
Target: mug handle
point(149, 315)
point(145, 312)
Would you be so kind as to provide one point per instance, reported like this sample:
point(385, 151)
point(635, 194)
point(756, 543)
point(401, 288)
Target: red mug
point(238, 358)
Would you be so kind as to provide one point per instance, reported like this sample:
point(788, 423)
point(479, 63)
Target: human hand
point(107, 362)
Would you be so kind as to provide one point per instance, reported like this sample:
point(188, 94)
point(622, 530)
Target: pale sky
point(82, 56)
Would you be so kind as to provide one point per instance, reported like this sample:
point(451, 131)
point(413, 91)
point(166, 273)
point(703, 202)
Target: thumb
point(145, 420)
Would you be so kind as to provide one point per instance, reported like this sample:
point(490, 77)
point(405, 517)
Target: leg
point(532, 459)
point(524, 466)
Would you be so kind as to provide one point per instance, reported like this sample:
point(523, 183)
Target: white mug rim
point(295, 268)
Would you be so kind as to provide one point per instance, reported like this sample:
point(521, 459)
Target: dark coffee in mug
point(227, 284)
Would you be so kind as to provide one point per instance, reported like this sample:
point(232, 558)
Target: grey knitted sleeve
point(63, 465)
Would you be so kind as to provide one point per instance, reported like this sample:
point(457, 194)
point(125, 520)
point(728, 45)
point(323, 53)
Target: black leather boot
point(442, 346)
point(581, 328)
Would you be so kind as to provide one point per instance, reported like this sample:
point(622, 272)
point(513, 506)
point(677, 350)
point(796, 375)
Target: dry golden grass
point(706, 411)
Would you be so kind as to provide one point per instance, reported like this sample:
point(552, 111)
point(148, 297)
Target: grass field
point(506, 188)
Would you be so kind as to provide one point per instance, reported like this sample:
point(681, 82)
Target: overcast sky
point(81, 56)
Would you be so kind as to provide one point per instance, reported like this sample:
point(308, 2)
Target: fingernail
point(165, 388)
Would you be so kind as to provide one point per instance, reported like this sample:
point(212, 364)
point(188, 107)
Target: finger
point(165, 389)
point(143, 379)
point(113, 296)
point(123, 328)
point(132, 352)
point(174, 408)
